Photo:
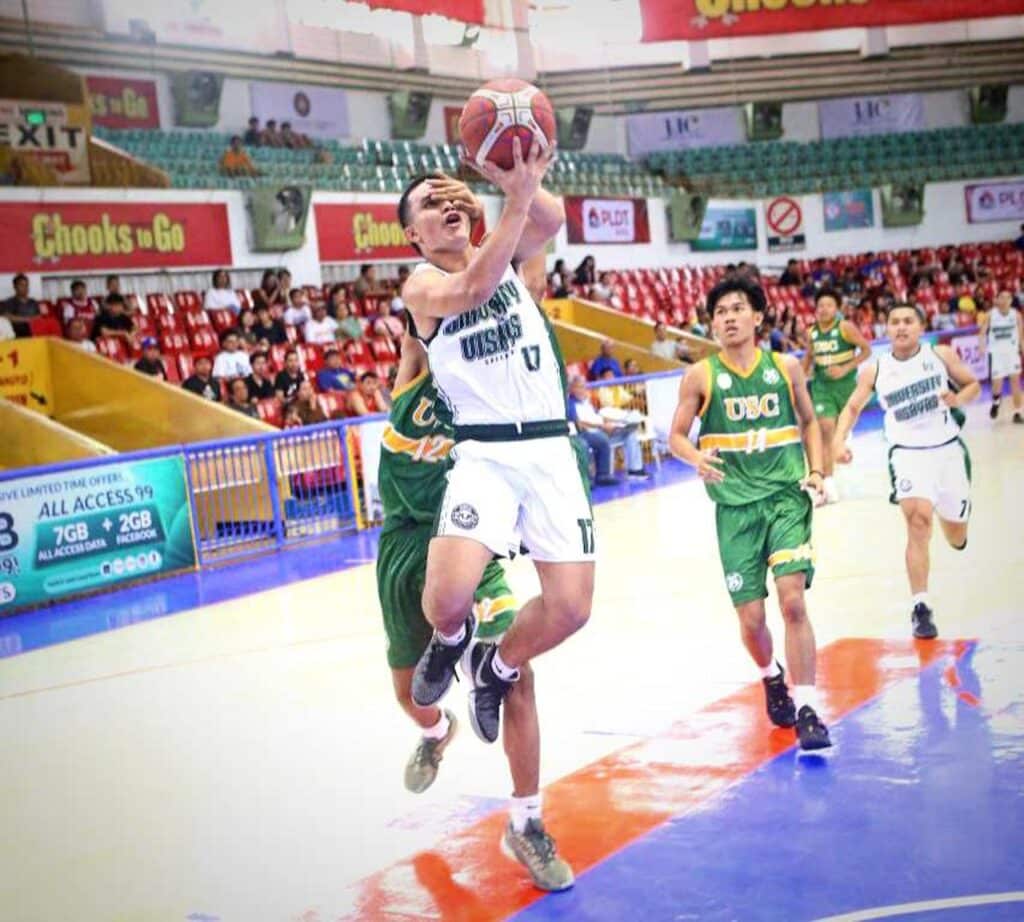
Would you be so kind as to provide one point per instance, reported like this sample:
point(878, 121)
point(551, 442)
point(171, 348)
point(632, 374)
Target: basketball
point(501, 111)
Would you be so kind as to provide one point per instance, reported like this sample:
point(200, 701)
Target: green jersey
point(831, 347)
point(750, 419)
point(414, 454)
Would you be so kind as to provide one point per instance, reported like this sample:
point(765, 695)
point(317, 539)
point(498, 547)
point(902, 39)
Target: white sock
point(522, 809)
point(502, 670)
point(771, 670)
point(451, 640)
point(920, 598)
point(439, 729)
point(805, 694)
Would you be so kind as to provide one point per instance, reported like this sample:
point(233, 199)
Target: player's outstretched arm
point(694, 390)
point(961, 374)
point(544, 219)
point(851, 412)
point(810, 428)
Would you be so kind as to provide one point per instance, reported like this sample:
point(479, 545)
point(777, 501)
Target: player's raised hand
point(447, 188)
point(709, 467)
point(522, 181)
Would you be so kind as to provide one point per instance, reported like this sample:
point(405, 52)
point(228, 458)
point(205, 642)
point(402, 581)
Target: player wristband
point(819, 473)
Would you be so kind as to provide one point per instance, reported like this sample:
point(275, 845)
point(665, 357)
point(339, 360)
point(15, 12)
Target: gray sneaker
point(421, 769)
point(536, 851)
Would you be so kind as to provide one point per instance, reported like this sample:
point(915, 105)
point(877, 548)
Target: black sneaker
point(1018, 419)
point(780, 707)
point(924, 627)
point(638, 475)
point(487, 693)
point(435, 670)
point(811, 733)
point(993, 411)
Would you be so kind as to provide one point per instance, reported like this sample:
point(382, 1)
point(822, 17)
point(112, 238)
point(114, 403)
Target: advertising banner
point(684, 128)
point(675, 20)
point(50, 132)
point(96, 235)
point(727, 229)
point(604, 220)
point(25, 374)
point(278, 217)
point(120, 103)
point(902, 204)
point(196, 95)
point(318, 111)
point(968, 347)
point(848, 210)
point(784, 218)
point(86, 529)
point(995, 201)
point(857, 116)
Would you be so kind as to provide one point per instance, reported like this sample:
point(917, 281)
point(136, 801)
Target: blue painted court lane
point(923, 800)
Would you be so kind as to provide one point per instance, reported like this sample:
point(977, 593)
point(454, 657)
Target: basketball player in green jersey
point(756, 424)
point(835, 351)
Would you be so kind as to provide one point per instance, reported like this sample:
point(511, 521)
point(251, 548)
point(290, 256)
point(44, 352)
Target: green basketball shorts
point(771, 532)
point(831, 396)
point(401, 571)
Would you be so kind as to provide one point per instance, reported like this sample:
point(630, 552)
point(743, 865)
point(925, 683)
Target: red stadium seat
point(312, 357)
point(196, 320)
point(270, 411)
point(222, 319)
point(186, 366)
point(384, 370)
point(358, 354)
point(45, 325)
point(334, 404)
point(204, 342)
point(188, 301)
point(244, 297)
point(173, 343)
point(383, 349)
point(158, 301)
point(277, 356)
point(172, 368)
point(112, 347)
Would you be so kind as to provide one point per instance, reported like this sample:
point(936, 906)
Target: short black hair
point(742, 284)
point(236, 137)
point(76, 282)
point(328, 353)
point(291, 351)
point(230, 331)
point(113, 277)
point(363, 268)
point(368, 374)
point(418, 180)
point(20, 277)
point(114, 299)
point(258, 355)
point(828, 293)
point(916, 308)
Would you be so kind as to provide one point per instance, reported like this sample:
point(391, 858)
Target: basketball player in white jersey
point(921, 389)
point(1001, 333)
point(517, 478)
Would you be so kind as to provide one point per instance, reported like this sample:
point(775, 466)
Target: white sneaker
point(831, 490)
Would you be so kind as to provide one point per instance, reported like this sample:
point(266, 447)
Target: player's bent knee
point(794, 609)
point(446, 608)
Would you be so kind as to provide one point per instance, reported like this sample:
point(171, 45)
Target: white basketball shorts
point(528, 494)
point(941, 475)
point(1003, 364)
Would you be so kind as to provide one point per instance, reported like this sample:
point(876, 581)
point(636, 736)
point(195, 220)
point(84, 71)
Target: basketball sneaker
point(993, 411)
point(536, 851)
point(1018, 419)
point(780, 707)
point(435, 670)
point(924, 626)
point(831, 490)
point(488, 690)
point(421, 769)
point(811, 733)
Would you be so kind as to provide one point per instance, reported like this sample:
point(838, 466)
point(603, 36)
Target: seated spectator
point(113, 319)
point(7, 330)
point(259, 382)
point(297, 313)
point(605, 361)
point(602, 436)
point(791, 274)
point(944, 319)
point(323, 156)
point(293, 139)
point(286, 384)
point(349, 326)
point(270, 137)
point(966, 311)
point(151, 363)
point(79, 300)
point(881, 322)
point(391, 320)
point(320, 329)
point(284, 285)
point(232, 360)
point(267, 327)
point(334, 376)
point(601, 291)
point(247, 328)
point(702, 324)
point(367, 281)
point(306, 406)
point(269, 292)
point(397, 304)
point(263, 345)
point(367, 398)
point(113, 286)
point(617, 396)
point(663, 347)
point(238, 398)
point(586, 272)
point(632, 368)
point(20, 306)
point(335, 296)
point(253, 136)
point(236, 162)
point(220, 294)
point(201, 381)
point(558, 281)
point(78, 333)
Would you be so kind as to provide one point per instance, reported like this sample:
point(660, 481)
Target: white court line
point(905, 909)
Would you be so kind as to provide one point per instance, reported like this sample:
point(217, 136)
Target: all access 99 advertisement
point(88, 529)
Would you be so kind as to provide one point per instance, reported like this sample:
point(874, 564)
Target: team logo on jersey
point(771, 376)
point(465, 516)
point(752, 407)
point(734, 581)
point(905, 485)
point(424, 415)
point(724, 381)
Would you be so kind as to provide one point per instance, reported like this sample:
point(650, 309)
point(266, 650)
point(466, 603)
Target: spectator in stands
point(114, 320)
point(220, 294)
point(966, 311)
point(617, 396)
point(20, 306)
point(320, 329)
point(791, 274)
point(850, 284)
point(270, 137)
point(702, 324)
point(871, 265)
point(822, 275)
point(286, 384)
point(201, 382)
point(881, 321)
point(113, 286)
point(238, 397)
point(367, 398)
point(259, 382)
point(7, 330)
point(232, 360)
point(236, 162)
point(559, 280)
point(306, 405)
point(269, 292)
point(663, 347)
point(269, 328)
point(367, 281)
point(263, 345)
point(79, 300)
point(602, 291)
point(605, 361)
point(1019, 242)
point(334, 376)
point(298, 313)
point(284, 285)
point(943, 318)
point(397, 304)
point(391, 320)
point(151, 363)
point(293, 139)
point(349, 326)
point(78, 333)
point(631, 367)
point(602, 435)
point(247, 329)
point(253, 136)
point(586, 272)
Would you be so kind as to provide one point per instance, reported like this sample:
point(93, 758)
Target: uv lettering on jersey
point(752, 407)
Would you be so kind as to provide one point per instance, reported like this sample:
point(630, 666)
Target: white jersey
point(497, 363)
point(1003, 333)
point(910, 391)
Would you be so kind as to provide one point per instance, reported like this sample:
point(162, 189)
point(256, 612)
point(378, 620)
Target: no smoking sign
point(785, 220)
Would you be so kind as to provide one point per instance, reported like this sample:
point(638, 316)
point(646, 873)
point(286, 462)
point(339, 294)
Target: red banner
point(671, 20)
point(462, 10)
point(606, 220)
point(44, 237)
point(120, 103)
